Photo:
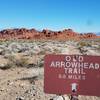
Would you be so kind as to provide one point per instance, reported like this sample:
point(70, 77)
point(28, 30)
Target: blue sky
point(80, 15)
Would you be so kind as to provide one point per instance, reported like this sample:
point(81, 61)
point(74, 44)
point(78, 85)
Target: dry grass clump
point(17, 62)
point(83, 43)
point(22, 62)
point(5, 63)
point(6, 66)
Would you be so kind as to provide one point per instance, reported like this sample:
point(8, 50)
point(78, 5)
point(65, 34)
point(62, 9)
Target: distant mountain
point(98, 33)
point(24, 33)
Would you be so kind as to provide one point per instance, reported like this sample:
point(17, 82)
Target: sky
point(79, 15)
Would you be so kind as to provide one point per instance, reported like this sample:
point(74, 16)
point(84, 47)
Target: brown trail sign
point(66, 73)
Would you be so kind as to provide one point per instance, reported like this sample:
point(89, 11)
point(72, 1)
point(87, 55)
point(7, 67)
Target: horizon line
point(1, 29)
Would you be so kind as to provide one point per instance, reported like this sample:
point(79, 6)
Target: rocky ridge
point(24, 33)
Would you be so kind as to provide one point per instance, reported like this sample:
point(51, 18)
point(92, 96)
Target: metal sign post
point(74, 95)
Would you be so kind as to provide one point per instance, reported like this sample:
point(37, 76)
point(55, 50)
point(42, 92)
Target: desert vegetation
point(22, 65)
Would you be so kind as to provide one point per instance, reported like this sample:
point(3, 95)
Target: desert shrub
point(83, 43)
point(11, 61)
point(10, 58)
point(42, 52)
point(40, 62)
point(98, 48)
point(22, 62)
point(56, 51)
point(6, 66)
point(14, 62)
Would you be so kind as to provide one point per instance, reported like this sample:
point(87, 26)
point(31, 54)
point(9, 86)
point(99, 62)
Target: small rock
point(58, 98)
point(20, 98)
point(4, 63)
point(2, 51)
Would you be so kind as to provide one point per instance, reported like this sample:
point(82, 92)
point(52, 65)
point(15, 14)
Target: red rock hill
point(23, 33)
